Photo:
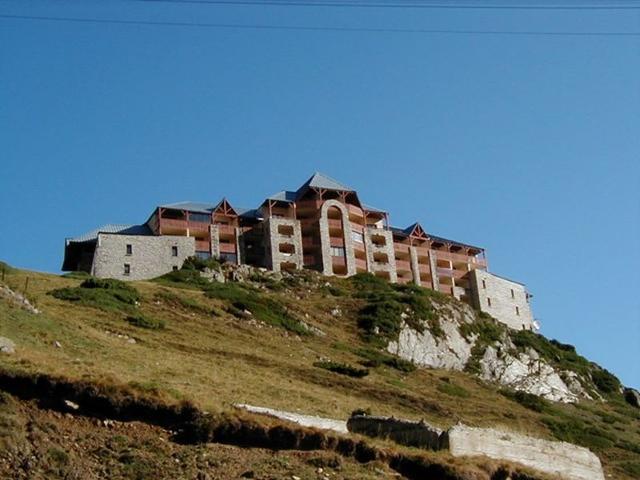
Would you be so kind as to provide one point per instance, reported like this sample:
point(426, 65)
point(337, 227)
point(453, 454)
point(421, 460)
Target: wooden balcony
point(403, 265)
point(227, 247)
point(361, 263)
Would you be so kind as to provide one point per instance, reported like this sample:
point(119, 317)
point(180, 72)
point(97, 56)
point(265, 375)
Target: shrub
point(388, 305)
point(146, 322)
point(527, 400)
point(575, 431)
point(107, 294)
point(343, 369)
point(605, 381)
point(375, 358)
point(200, 264)
point(269, 310)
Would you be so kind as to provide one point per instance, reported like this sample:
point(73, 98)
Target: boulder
point(632, 396)
point(7, 346)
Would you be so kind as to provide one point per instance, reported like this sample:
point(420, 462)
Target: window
point(203, 255)
point(129, 249)
point(488, 301)
point(484, 284)
point(517, 311)
point(357, 237)
point(174, 251)
point(229, 257)
point(175, 268)
point(127, 269)
point(513, 294)
point(337, 252)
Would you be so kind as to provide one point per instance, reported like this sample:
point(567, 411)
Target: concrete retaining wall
point(557, 458)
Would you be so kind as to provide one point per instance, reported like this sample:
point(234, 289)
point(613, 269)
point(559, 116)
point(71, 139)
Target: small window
point(174, 251)
point(517, 311)
point(484, 284)
point(127, 269)
point(488, 301)
point(337, 252)
point(357, 237)
point(513, 294)
point(175, 268)
point(129, 249)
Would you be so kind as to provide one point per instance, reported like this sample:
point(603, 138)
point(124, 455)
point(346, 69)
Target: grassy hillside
point(303, 344)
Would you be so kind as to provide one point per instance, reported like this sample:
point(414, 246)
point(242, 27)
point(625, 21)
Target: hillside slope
point(301, 343)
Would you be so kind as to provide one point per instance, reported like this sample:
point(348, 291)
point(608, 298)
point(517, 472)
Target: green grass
point(106, 294)
point(527, 400)
point(375, 358)
point(451, 389)
point(389, 305)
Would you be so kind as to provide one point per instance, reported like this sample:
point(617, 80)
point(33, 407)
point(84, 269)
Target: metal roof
point(112, 228)
point(369, 208)
point(320, 180)
point(284, 196)
point(249, 212)
point(198, 207)
point(406, 231)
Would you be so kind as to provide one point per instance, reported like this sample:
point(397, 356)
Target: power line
point(317, 28)
point(399, 4)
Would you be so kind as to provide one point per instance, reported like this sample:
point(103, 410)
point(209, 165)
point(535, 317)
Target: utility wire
point(399, 4)
point(317, 28)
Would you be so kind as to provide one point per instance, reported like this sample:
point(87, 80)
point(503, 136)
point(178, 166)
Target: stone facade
point(503, 299)
point(214, 233)
point(150, 257)
point(374, 247)
point(327, 259)
point(283, 244)
point(565, 460)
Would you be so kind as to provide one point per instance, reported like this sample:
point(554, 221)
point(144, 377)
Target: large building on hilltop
point(322, 225)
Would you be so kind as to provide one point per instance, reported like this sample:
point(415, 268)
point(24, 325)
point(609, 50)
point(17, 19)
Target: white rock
point(7, 345)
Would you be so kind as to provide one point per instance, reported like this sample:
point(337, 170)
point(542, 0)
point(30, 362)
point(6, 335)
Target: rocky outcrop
point(452, 347)
point(449, 350)
point(527, 372)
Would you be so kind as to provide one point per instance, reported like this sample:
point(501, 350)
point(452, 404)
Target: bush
point(527, 400)
point(146, 322)
point(388, 305)
point(605, 381)
point(241, 297)
point(200, 264)
point(575, 431)
point(107, 294)
point(375, 358)
point(343, 369)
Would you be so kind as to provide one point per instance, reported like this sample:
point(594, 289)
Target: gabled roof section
point(320, 180)
point(415, 230)
point(198, 207)
point(112, 228)
point(436, 238)
point(249, 212)
point(225, 208)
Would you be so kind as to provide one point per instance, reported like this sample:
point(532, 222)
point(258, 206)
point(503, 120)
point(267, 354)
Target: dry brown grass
point(215, 360)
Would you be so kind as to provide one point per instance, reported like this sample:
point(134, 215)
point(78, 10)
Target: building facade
point(322, 225)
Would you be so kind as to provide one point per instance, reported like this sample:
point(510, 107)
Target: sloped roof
point(191, 206)
point(405, 232)
point(112, 228)
point(369, 208)
point(283, 196)
point(248, 212)
point(320, 180)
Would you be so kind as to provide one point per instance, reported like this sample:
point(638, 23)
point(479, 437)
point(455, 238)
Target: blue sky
point(526, 145)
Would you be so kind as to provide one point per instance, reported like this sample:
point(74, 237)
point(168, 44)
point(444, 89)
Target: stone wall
point(274, 258)
point(387, 249)
point(151, 256)
point(557, 458)
point(404, 432)
point(327, 265)
point(501, 298)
